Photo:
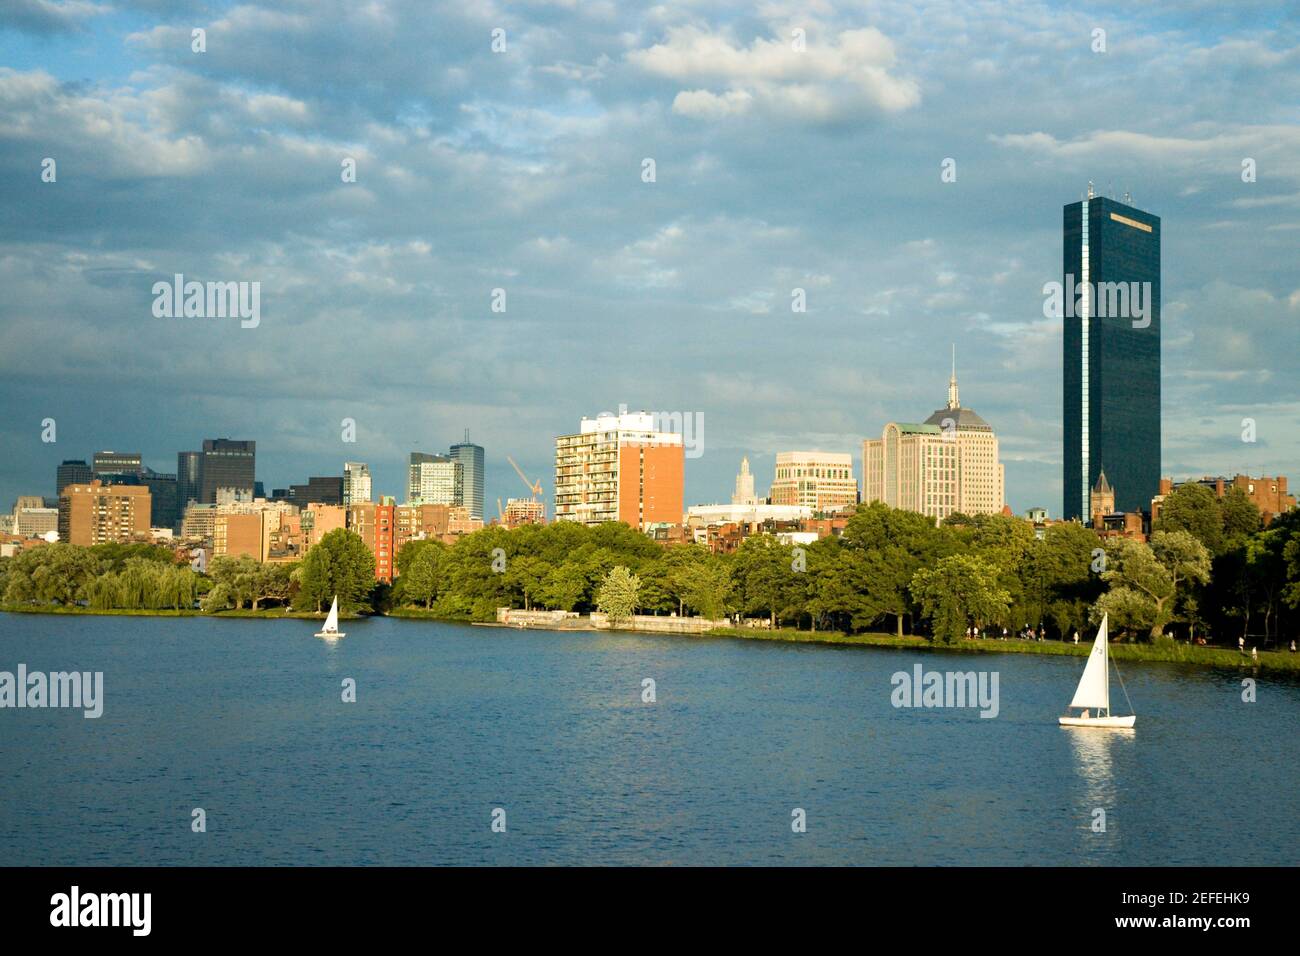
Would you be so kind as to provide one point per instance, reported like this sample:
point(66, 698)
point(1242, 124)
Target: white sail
point(1094, 685)
point(332, 622)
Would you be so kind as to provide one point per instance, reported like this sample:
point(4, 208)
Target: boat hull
point(330, 634)
point(1115, 723)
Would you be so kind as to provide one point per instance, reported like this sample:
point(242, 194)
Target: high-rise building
point(33, 518)
point(434, 480)
point(470, 457)
point(744, 494)
point(326, 490)
point(1111, 307)
point(97, 513)
point(945, 464)
point(226, 464)
point(820, 480)
point(72, 472)
point(620, 468)
point(164, 508)
point(356, 482)
point(115, 463)
point(189, 479)
point(522, 511)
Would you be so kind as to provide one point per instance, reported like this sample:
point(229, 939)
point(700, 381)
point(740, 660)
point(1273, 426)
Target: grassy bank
point(1279, 661)
point(113, 612)
point(1282, 662)
point(267, 612)
point(422, 614)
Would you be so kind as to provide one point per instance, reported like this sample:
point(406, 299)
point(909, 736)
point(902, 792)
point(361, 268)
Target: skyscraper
point(226, 464)
point(619, 468)
point(1111, 310)
point(820, 480)
point(189, 466)
point(433, 480)
point(470, 457)
point(356, 482)
point(945, 464)
point(116, 463)
point(72, 472)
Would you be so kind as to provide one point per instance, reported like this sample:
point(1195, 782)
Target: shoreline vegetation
point(1159, 652)
point(1214, 586)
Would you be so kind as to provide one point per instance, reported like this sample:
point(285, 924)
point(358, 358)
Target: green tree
point(563, 587)
point(339, 564)
point(763, 570)
point(960, 590)
point(422, 567)
point(1061, 584)
point(1146, 580)
point(1195, 509)
point(618, 594)
point(892, 545)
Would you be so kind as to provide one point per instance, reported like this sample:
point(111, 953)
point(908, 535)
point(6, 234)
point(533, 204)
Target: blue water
point(245, 719)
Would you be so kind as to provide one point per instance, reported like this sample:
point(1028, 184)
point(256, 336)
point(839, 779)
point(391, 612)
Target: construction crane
point(534, 487)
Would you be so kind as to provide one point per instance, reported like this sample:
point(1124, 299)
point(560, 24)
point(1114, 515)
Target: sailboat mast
point(1105, 650)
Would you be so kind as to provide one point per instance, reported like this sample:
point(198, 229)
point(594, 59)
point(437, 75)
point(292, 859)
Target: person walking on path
point(1241, 646)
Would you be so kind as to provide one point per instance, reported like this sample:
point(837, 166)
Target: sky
point(523, 169)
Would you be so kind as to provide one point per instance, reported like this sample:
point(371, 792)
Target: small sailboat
point(331, 628)
point(1092, 697)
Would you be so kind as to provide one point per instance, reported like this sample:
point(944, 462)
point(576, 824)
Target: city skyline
point(530, 181)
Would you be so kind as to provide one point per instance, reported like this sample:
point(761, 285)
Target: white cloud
point(847, 75)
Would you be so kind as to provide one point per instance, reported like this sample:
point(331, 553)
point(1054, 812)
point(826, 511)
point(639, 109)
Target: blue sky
point(775, 170)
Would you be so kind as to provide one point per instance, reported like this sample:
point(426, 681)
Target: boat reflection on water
point(1095, 758)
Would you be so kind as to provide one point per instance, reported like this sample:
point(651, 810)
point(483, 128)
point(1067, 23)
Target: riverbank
point(1167, 653)
point(268, 612)
point(1280, 662)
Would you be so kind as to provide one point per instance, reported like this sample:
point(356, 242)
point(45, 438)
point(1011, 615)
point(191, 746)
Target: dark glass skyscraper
point(189, 466)
point(72, 472)
point(116, 463)
point(1111, 306)
point(470, 457)
point(226, 464)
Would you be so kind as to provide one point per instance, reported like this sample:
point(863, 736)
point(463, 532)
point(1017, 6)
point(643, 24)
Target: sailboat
point(331, 628)
point(1092, 697)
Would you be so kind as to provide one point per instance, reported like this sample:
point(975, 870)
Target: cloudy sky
point(521, 170)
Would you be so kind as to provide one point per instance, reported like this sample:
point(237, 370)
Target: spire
point(952, 382)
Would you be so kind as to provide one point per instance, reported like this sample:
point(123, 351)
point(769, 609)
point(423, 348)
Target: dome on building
point(964, 417)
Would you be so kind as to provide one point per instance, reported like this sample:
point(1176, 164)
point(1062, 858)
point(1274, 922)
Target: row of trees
point(1210, 567)
point(142, 576)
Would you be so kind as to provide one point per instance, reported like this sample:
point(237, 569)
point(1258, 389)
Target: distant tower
point(952, 382)
point(744, 485)
point(470, 457)
point(1101, 501)
point(1111, 352)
